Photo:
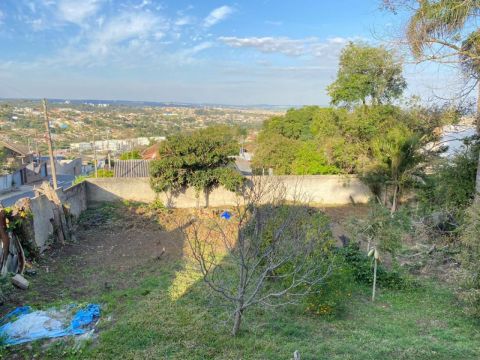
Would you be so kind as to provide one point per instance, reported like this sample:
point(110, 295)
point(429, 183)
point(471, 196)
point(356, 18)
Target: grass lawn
point(158, 309)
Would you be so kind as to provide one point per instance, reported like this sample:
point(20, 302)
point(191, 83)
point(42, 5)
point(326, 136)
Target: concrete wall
point(69, 167)
point(35, 173)
point(42, 211)
point(6, 183)
point(317, 189)
point(74, 199)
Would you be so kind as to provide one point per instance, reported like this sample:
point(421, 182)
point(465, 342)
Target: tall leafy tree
point(367, 73)
point(202, 159)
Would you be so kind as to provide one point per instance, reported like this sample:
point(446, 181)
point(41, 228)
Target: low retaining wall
point(317, 189)
point(73, 198)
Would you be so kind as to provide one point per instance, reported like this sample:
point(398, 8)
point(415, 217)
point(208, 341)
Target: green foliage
point(451, 186)
point(361, 267)
point(367, 72)
point(382, 229)
point(315, 140)
point(80, 179)
point(275, 151)
point(331, 296)
point(309, 161)
point(201, 159)
point(470, 259)
point(399, 161)
point(131, 155)
point(101, 173)
point(104, 173)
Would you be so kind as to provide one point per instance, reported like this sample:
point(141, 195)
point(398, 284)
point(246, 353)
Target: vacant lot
point(155, 307)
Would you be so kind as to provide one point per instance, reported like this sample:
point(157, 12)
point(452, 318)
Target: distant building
point(116, 145)
point(24, 167)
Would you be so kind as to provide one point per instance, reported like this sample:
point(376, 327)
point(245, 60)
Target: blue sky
point(246, 52)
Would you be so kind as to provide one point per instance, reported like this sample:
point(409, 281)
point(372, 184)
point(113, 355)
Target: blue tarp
point(23, 324)
point(226, 215)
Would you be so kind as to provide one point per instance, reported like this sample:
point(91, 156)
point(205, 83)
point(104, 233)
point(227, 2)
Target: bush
point(361, 267)
point(451, 187)
point(330, 297)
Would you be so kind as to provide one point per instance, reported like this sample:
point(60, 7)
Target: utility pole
point(95, 148)
point(53, 168)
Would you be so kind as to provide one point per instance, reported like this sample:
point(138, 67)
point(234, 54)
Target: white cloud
point(76, 11)
point(217, 15)
point(288, 46)
point(124, 27)
point(184, 20)
point(281, 45)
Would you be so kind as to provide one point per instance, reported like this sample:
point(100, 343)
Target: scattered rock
point(30, 272)
point(20, 282)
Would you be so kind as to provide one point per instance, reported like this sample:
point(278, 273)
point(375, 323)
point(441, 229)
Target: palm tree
point(400, 161)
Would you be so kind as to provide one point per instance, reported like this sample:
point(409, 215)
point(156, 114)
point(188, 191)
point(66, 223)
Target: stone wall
point(316, 189)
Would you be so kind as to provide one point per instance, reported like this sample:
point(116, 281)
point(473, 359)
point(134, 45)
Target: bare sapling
point(272, 252)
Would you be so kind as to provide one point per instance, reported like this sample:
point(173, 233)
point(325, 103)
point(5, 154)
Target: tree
point(367, 73)
point(269, 253)
point(275, 151)
point(446, 32)
point(400, 159)
point(201, 159)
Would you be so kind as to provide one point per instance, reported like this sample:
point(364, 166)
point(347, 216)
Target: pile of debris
point(17, 235)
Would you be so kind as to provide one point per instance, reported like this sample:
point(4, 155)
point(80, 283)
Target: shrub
point(451, 187)
point(104, 173)
point(330, 297)
point(361, 267)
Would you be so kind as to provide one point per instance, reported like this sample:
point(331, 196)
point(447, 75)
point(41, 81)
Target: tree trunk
point(477, 179)
point(5, 241)
point(395, 199)
point(374, 278)
point(237, 320)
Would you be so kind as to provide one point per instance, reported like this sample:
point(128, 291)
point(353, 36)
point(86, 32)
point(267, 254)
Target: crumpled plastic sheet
point(226, 215)
point(23, 324)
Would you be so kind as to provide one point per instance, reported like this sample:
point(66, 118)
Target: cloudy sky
point(246, 52)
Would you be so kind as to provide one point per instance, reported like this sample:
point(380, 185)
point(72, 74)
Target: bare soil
point(112, 243)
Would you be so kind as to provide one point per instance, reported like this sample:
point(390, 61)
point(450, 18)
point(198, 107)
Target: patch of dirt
point(111, 244)
point(340, 215)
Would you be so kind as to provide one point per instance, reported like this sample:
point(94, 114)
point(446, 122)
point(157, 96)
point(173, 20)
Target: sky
point(278, 52)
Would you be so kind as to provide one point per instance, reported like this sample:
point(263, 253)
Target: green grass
point(170, 315)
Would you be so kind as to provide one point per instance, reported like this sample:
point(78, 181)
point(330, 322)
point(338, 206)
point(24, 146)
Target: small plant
point(157, 205)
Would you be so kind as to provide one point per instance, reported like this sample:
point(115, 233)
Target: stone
point(20, 282)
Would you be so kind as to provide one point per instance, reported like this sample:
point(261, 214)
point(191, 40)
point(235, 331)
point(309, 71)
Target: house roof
point(151, 153)
point(22, 150)
point(132, 168)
